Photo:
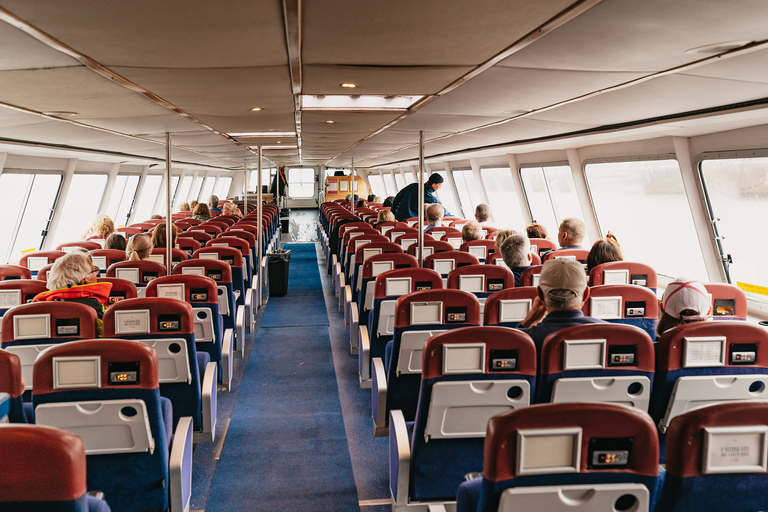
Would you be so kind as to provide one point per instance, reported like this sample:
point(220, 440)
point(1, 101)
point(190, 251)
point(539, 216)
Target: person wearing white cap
point(684, 301)
point(562, 291)
point(406, 202)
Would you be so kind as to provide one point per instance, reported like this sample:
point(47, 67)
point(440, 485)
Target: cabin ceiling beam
point(292, 19)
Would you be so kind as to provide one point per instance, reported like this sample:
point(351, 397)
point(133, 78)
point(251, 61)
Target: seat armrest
point(227, 355)
point(399, 458)
point(436, 507)
point(250, 296)
point(347, 300)
point(379, 398)
point(180, 466)
point(209, 404)
point(354, 326)
point(364, 357)
point(239, 332)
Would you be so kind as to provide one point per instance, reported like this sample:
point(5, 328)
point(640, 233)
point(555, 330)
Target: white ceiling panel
point(167, 34)
point(21, 51)
point(379, 80)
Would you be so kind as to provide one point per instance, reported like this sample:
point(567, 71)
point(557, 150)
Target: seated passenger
point(73, 278)
point(376, 199)
point(388, 202)
point(159, 236)
point(471, 231)
point(139, 247)
point(184, 207)
point(684, 301)
point(502, 235)
point(483, 215)
point(201, 212)
point(370, 198)
point(603, 251)
point(115, 241)
point(102, 227)
point(213, 205)
point(434, 214)
point(536, 230)
point(572, 231)
point(193, 205)
point(562, 292)
point(232, 209)
point(361, 204)
point(516, 251)
point(384, 216)
point(156, 216)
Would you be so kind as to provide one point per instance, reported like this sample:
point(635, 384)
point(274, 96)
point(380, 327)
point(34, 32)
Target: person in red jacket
point(73, 278)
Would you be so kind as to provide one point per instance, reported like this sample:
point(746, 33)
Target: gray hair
point(482, 212)
point(515, 249)
point(213, 201)
point(562, 299)
point(435, 212)
point(69, 270)
point(471, 231)
point(575, 229)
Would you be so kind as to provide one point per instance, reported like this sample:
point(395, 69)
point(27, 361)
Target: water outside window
point(737, 189)
point(661, 232)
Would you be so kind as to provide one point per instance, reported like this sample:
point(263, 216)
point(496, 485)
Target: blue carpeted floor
point(286, 448)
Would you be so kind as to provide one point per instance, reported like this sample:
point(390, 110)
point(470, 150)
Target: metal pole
point(168, 208)
point(421, 199)
point(352, 185)
point(245, 189)
point(260, 239)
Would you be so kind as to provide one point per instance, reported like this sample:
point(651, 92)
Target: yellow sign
point(752, 288)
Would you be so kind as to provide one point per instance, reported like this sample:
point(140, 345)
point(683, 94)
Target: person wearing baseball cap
point(406, 202)
point(684, 301)
point(562, 292)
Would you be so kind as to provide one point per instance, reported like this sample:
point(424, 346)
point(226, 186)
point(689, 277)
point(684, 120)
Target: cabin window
point(502, 198)
point(266, 178)
point(389, 182)
point(644, 204)
point(197, 184)
point(182, 193)
point(399, 180)
point(207, 189)
point(221, 190)
point(119, 205)
point(469, 193)
point(447, 193)
point(737, 192)
point(27, 199)
point(161, 203)
point(80, 207)
point(301, 182)
point(409, 177)
point(377, 185)
point(146, 200)
point(551, 196)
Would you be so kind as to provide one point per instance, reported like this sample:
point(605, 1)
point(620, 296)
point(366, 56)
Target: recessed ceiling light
point(330, 122)
point(255, 109)
point(719, 47)
point(348, 85)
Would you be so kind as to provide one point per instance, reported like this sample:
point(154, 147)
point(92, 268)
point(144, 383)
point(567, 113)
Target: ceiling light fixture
point(330, 122)
point(357, 103)
point(348, 85)
point(277, 147)
point(262, 134)
point(256, 109)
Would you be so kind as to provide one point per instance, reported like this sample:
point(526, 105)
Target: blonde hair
point(103, 226)
point(502, 235)
point(139, 247)
point(386, 216)
point(69, 270)
point(232, 209)
point(184, 207)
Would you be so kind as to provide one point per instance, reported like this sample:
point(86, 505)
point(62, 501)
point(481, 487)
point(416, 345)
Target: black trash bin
point(277, 269)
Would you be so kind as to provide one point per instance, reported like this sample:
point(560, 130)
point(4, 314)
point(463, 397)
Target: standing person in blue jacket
point(406, 203)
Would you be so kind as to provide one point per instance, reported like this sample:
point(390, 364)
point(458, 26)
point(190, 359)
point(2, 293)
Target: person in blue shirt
point(406, 202)
point(562, 291)
point(213, 204)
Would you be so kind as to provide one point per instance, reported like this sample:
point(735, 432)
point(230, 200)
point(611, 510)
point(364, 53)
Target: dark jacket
point(406, 203)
